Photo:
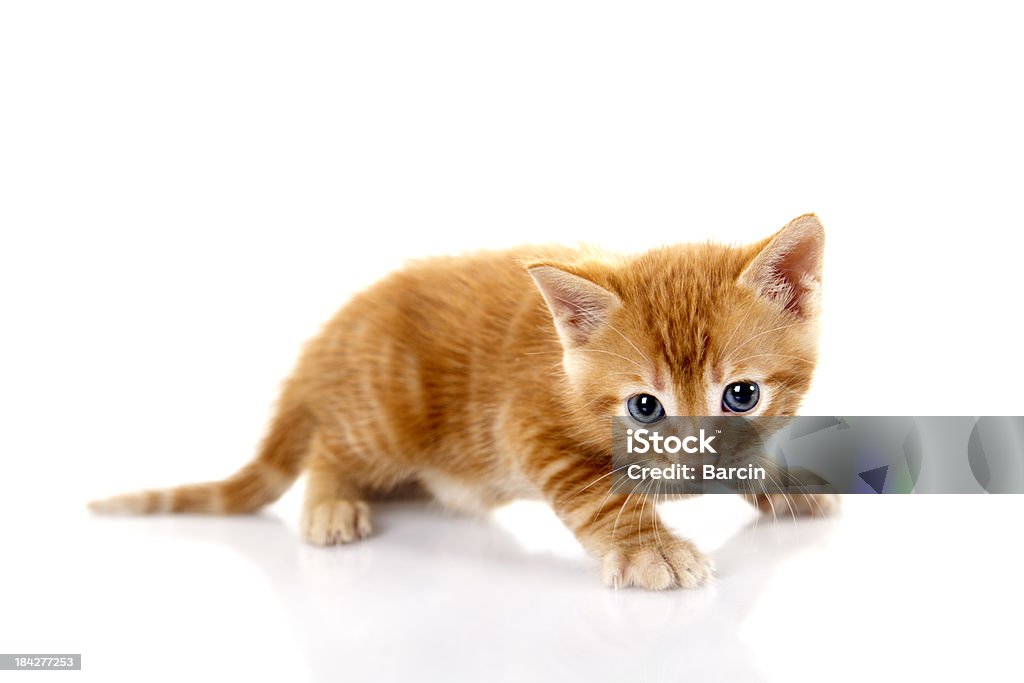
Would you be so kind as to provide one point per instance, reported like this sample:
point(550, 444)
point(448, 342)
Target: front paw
point(672, 564)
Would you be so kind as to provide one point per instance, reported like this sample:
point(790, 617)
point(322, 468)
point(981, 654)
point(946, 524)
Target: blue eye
point(645, 408)
point(741, 397)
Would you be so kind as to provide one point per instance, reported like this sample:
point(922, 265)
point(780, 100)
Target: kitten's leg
point(623, 531)
point(795, 504)
point(334, 510)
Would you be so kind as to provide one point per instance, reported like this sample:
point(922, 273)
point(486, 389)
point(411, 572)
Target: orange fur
point(465, 376)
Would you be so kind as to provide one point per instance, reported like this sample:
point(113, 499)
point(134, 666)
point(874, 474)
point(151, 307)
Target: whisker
point(746, 314)
point(608, 474)
point(635, 347)
point(733, 351)
point(779, 355)
point(785, 496)
point(657, 497)
point(621, 508)
point(640, 521)
point(612, 353)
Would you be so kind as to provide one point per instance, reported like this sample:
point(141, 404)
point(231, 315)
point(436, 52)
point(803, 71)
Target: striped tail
point(262, 481)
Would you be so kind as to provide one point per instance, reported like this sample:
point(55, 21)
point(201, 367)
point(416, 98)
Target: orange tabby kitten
point(490, 377)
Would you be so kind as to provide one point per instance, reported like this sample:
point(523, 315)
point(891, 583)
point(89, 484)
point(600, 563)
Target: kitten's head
point(694, 329)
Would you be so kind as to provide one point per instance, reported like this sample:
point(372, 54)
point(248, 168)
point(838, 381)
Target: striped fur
point(491, 376)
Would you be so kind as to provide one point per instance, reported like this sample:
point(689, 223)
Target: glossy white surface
point(188, 190)
point(895, 587)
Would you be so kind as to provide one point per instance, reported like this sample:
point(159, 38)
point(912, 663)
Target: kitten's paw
point(676, 564)
point(798, 504)
point(336, 521)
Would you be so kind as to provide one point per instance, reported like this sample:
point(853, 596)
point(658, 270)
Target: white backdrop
point(189, 189)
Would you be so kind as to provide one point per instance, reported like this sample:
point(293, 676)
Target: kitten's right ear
point(579, 307)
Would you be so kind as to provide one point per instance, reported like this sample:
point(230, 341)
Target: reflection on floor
point(513, 597)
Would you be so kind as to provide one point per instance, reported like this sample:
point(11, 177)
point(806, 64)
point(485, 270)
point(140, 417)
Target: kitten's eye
point(645, 408)
point(741, 397)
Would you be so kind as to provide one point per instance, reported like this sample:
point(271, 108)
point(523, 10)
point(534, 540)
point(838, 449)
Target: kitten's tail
point(262, 481)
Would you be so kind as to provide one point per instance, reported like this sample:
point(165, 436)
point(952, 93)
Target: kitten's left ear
point(579, 307)
point(788, 267)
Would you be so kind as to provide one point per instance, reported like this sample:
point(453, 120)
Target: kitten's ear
point(788, 267)
point(578, 306)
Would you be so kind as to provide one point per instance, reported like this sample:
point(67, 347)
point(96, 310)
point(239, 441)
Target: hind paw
point(336, 521)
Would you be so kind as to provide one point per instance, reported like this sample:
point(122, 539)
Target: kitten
point(491, 377)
